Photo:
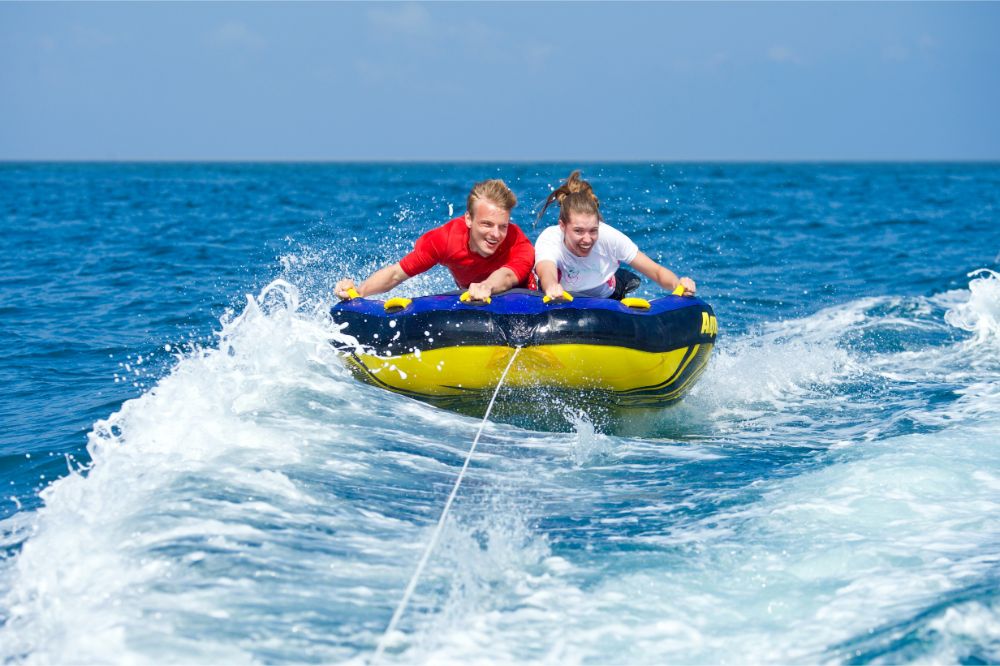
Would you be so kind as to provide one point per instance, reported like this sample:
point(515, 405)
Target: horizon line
point(272, 160)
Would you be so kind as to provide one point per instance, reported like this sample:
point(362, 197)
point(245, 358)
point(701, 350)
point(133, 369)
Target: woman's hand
point(554, 291)
point(689, 286)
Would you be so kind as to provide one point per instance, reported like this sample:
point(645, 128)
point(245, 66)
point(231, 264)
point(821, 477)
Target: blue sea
point(190, 475)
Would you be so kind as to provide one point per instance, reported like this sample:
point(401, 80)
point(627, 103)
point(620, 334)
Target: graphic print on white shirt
point(592, 275)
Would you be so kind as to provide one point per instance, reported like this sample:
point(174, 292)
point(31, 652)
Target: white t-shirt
point(593, 275)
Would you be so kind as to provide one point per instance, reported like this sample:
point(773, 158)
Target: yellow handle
point(566, 298)
point(636, 303)
point(352, 293)
point(678, 290)
point(465, 298)
point(396, 304)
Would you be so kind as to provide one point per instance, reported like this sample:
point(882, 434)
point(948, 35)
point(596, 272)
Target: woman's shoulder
point(610, 230)
point(549, 234)
point(612, 235)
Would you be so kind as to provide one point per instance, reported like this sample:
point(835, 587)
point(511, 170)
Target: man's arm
point(379, 282)
point(515, 270)
point(422, 258)
point(662, 276)
point(499, 280)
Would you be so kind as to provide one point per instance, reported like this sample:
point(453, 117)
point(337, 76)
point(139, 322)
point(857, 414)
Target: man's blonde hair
point(495, 191)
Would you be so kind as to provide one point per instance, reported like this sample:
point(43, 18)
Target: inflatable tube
point(448, 352)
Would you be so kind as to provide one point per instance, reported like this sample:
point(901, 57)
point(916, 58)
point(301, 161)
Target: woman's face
point(580, 233)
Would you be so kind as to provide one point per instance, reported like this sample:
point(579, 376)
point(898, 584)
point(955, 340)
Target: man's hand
point(341, 289)
point(479, 291)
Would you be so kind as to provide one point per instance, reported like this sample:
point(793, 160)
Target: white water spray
point(380, 648)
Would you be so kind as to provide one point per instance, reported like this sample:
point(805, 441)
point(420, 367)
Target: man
point(485, 253)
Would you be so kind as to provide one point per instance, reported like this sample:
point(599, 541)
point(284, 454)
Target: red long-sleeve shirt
point(448, 245)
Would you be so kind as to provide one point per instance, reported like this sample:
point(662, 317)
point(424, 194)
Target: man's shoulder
point(515, 230)
point(447, 228)
point(447, 240)
point(442, 233)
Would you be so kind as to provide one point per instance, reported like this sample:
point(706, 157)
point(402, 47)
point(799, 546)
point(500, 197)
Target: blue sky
point(500, 81)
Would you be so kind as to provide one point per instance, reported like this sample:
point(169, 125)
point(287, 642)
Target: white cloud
point(236, 34)
point(371, 72)
point(409, 19)
point(895, 53)
point(783, 54)
point(718, 59)
point(475, 38)
point(89, 37)
point(903, 50)
point(536, 54)
point(700, 65)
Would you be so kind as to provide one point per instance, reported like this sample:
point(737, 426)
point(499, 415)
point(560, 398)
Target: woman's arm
point(548, 278)
point(662, 276)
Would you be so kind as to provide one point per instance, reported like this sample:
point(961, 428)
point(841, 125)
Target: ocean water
point(190, 475)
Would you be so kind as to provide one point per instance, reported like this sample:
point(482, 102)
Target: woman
point(583, 254)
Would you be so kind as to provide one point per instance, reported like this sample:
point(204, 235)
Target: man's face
point(580, 233)
point(487, 227)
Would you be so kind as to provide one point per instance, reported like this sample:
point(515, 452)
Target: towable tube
point(445, 351)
